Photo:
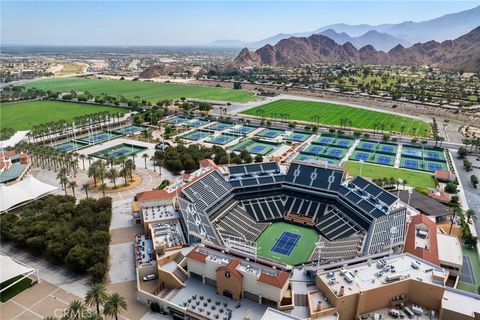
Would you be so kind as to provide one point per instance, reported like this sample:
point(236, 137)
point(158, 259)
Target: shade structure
point(11, 268)
point(13, 196)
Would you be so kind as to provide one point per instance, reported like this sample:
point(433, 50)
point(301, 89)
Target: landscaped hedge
point(74, 235)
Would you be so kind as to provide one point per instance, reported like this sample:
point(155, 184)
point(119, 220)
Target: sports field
point(150, 91)
point(287, 243)
point(414, 179)
point(25, 115)
point(332, 114)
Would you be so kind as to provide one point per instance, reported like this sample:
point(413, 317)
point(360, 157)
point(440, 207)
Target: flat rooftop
point(371, 275)
point(461, 302)
point(449, 249)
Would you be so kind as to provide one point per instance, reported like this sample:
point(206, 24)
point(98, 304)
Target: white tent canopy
point(16, 138)
point(26, 190)
point(11, 268)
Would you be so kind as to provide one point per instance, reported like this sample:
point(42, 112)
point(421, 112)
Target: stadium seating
point(265, 209)
point(239, 223)
point(340, 249)
point(335, 225)
point(315, 176)
point(206, 191)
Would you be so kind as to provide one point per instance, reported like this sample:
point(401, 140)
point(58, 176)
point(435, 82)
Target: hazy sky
point(195, 22)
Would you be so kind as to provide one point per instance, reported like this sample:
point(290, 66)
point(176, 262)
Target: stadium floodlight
point(319, 246)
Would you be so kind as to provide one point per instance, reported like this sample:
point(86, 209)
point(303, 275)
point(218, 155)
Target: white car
point(150, 277)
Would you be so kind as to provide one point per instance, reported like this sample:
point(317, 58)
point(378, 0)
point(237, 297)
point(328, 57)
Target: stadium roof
point(424, 204)
point(21, 192)
point(16, 138)
point(11, 268)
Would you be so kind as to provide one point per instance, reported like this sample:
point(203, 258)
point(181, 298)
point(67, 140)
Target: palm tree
point(93, 173)
point(103, 187)
point(63, 179)
point(471, 214)
point(76, 311)
point(86, 187)
point(114, 305)
point(72, 185)
point(145, 157)
point(112, 175)
point(96, 296)
point(82, 157)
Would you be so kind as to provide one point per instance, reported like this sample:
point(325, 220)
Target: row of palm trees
point(50, 158)
point(54, 129)
point(96, 297)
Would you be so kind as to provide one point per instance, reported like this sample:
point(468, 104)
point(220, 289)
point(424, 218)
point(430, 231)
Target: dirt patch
point(122, 235)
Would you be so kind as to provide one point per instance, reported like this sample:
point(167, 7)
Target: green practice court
point(196, 135)
point(244, 130)
point(328, 140)
point(297, 137)
point(195, 123)
point(223, 139)
point(123, 149)
point(324, 151)
point(99, 137)
point(256, 147)
point(309, 158)
point(130, 129)
point(219, 126)
point(287, 243)
point(378, 158)
point(70, 145)
point(422, 165)
point(270, 133)
point(177, 120)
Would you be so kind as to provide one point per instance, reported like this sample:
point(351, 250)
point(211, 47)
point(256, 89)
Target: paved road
point(472, 195)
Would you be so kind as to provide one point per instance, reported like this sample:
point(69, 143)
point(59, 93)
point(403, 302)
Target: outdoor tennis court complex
point(327, 148)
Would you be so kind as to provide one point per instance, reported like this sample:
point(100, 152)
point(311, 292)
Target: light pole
point(361, 167)
point(319, 245)
point(393, 232)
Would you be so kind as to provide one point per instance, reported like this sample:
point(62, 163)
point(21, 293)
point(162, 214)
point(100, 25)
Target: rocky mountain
point(446, 27)
point(462, 53)
point(159, 70)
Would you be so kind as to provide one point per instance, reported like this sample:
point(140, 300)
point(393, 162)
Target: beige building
point(378, 287)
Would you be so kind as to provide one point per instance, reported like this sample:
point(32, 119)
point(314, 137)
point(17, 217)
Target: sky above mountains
point(125, 23)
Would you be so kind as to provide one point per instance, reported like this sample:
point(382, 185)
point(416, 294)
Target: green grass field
point(25, 115)
point(302, 251)
point(16, 289)
point(413, 178)
point(331, 114)
point(149, 91)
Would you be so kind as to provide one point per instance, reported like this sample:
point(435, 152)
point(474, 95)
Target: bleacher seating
point(207, 190)
point(305, 207)
point(314, 176)
point(340, 249)
point(265, 209)
point(239, 223)
point(335, 225)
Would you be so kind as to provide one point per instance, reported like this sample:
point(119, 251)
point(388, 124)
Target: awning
point(11, 268)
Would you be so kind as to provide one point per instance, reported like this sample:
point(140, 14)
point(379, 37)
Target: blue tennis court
point(411, 164)
point(311, 158)
point(177, 120)
point(99, 137)
point(324, 140)
point(220, 126)
point(70, 145)
point(196, 135)
point(257, 149)
point(361, 156)
point(343, 143)
point(222, 139)
point(243, 129)
point(366, 146)
point(196, 123)
point(286, 243)
point(433, 155)
point(386, 160)
point(315, 150)
point(387, 149)
point(336, 153)
point(298, 137)
point(269, 133)
point(432, 166)
point(130, 129)
point(412, 152)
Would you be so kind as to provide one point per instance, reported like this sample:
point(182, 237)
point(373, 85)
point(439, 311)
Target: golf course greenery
point(150, 91)
point(25, 115)
point(338, 115)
